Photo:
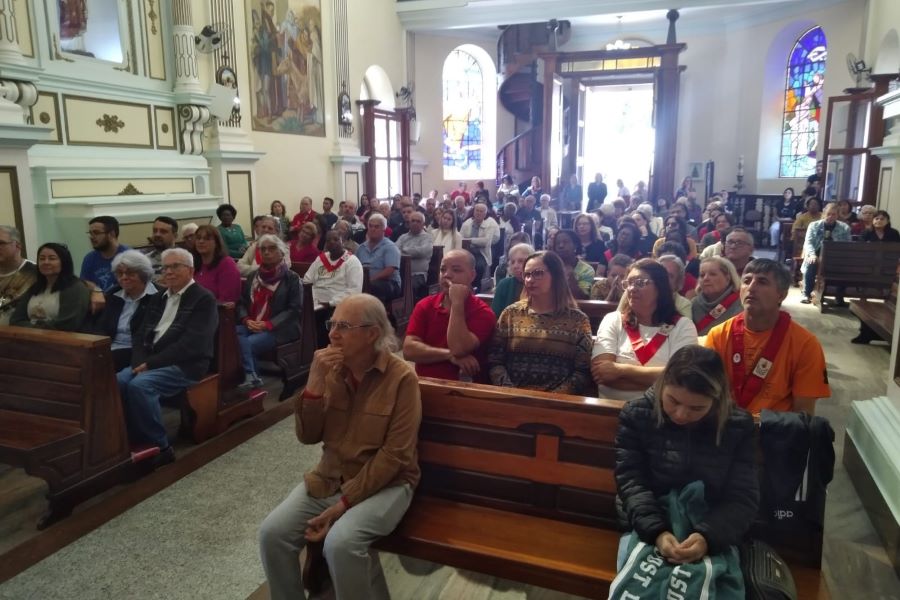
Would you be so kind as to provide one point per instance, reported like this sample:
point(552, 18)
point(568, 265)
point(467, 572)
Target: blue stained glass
point(803, 101)
point(462, 114)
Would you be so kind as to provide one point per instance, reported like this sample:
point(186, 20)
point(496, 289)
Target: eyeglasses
point(537, 274)
point(636, 282)
point(172, 267)
point(343, 325)
point(733, 243)
point(96, 233)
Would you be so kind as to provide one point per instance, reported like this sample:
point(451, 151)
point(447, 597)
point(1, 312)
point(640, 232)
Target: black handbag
point(766, 575)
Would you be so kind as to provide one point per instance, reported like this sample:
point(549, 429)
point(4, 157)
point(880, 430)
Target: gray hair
point(14, 235)
point(186, 257)
point(727, 268)
point(767, 266)
point(274, 239)
point(261, 218)
point(378, 217)
point(372, 312)
point(679, 281)
point(547, 196)
point(528, 249)
point(622, 260)
point(136, 261)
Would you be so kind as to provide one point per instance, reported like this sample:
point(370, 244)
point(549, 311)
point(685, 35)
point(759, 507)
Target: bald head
point(457, 266)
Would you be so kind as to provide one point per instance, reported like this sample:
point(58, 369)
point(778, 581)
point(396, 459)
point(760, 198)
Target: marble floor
point(197, 537)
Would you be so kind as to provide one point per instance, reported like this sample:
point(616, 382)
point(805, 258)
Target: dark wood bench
point(214, 403)
point(433, 278)
point(60, 414)
point(878, 316)
point(861, 269)
point(798, 236)
point(519, 484)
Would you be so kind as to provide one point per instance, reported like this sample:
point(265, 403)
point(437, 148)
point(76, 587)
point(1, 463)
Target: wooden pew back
point(864, 269)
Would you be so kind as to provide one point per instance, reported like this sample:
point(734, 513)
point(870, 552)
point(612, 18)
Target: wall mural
point(287, 80)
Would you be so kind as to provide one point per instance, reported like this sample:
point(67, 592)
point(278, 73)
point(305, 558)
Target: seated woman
point(718, 298)
point(593, 248)
point(677, 231)
point(305, 248)
point(509, 289)
point(881, 230)
point(231, 232)
point(279, 212)
point(335, 274)
point(579, 274)
point(845, 212)
point(447, 235)
point(722, 223)
point(58, 299)
point(635, 342)
point(865, 222)
point(713, 210)
point(626, 242)
point(125, 304)
point(812, 214)
point(686, 429)
point(269, 311)
point(655, 222)
point(786, 209)
point(609, 288)
point(213, 269)
point(543, 341)
point(647, 238)
point(675, 268)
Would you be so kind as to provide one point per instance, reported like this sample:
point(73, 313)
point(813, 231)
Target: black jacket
point(651, 461)
point(107, 321)
point(286, 304)
point(188, 342)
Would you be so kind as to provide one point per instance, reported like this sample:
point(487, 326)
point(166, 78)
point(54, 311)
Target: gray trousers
point(346, 546)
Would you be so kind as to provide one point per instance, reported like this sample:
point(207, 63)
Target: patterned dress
point(549, 352)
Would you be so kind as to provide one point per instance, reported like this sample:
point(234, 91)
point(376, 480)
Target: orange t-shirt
point(798, 370)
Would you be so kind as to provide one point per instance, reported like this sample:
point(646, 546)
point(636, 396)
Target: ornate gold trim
point(153, 16)
point(130, 190)
point(110, 123)
point(57, 52)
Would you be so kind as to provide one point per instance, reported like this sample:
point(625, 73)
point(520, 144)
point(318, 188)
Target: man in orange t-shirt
point(771, 361)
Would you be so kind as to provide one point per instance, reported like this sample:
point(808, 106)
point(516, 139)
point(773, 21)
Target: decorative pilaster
point(192, 118)
point(10, 53)
point(187, 78)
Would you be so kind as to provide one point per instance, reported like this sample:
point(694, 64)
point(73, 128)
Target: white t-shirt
point(613, 339)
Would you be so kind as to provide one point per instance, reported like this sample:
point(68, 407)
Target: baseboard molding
point(873, 501)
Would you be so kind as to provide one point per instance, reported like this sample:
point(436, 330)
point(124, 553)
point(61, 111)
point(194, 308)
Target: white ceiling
point(600, 18)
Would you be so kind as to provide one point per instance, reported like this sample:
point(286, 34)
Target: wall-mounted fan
point(211, 38)
point(857, 68)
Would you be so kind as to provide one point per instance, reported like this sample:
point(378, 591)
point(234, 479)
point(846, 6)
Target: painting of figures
point(287, 87)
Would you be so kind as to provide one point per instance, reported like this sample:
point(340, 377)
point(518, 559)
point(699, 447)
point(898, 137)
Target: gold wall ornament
point(110, 123)
point(153, 16)
point(57, 53)
point(44, 117)
point(130, 190)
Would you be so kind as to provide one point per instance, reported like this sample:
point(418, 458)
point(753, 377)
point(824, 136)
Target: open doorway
point(619, 137)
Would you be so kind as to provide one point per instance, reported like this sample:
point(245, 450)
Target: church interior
point(140, 108)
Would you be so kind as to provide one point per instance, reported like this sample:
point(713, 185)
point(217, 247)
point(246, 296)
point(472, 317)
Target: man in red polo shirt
point(448, 332)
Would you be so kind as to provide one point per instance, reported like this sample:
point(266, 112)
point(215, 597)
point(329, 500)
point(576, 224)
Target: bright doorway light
point(619, 136)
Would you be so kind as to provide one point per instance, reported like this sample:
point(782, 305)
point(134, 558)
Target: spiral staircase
point(522, 94)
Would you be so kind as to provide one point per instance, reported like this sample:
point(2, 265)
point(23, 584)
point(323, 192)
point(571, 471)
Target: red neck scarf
point(746, 388)
point(331, 268)
point(644, 351)
point(718, 310)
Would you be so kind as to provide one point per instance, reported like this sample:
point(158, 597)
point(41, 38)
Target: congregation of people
point(697, 340)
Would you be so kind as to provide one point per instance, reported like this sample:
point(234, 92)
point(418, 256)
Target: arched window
point(469, 104)
point(803, 99)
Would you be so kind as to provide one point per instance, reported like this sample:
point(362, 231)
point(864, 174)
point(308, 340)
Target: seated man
point(164, 231)
point(383, 259)
point(828, 228)
point(482, 232)
point(17, 275)
point(775, 363)
point(171, 350)
point(738, 248)
point(418, 245)
point(447, 333)
point(357, 228)
point(334, 275)
point(363, 402)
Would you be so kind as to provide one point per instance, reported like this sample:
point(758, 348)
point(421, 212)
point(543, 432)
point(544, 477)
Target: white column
point(187, 77)
point(10, 53)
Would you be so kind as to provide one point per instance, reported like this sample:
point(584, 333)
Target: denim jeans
point(140, 397)
point(252, 345)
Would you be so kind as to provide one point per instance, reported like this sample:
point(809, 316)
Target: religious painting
point(287, 78)
point(803, 101)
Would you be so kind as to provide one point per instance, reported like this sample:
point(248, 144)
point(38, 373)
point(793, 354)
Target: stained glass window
point(803, 100)
point(463, 115)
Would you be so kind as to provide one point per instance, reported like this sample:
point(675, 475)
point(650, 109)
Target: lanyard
point(645, 351)
point(746, 388)
point(717, 311)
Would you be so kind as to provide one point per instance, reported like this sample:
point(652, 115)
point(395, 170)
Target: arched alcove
point(887, 60)
point(376, 85)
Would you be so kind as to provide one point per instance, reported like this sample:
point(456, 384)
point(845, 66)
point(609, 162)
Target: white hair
point(274, 239)
point(136, 261)
point(378, 217)
point(186, 257)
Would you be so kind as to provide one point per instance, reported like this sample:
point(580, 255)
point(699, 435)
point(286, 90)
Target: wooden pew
point(879, 316)
point(797, 238)
point(433, 278)
point(519, 484)
point(399, 309)
point(60, 414)
point(785, 241)
point(863, 269)
point(213, 404)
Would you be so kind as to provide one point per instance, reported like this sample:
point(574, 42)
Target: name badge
point(666, 329)
point(718, 311)
point(762, 368)
point(736, 359)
